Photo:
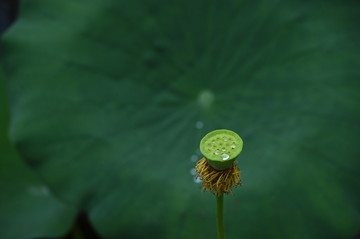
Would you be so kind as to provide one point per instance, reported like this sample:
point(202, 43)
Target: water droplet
point(216, 152)
point(223, 149)
point(194, 158)
point(199, 124)
point(197, 180)
point(206, 98)
point(225, 156)
point(193, 171)
point(233, 146)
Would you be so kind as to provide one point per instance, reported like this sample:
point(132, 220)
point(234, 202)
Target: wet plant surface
point(108, 102)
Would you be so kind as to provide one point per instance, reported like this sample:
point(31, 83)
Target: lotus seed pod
point(220, 148)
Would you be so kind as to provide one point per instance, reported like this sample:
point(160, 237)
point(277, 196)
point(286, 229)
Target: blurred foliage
point(109, 100)
point(27, 208)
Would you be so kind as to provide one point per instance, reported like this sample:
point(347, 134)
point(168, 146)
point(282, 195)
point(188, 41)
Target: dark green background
point(108, 101)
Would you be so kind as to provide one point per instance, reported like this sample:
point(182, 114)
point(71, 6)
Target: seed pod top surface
point(221, 147)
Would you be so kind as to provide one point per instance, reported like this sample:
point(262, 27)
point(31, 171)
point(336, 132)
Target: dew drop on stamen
point(197, 180)
point(193, 171)
point(194, 158)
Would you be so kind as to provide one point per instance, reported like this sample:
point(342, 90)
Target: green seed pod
point(220, 148)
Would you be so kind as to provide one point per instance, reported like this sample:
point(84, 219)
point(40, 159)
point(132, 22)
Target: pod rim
point(221, 145)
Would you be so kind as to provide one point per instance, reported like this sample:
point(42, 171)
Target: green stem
point(220, 216)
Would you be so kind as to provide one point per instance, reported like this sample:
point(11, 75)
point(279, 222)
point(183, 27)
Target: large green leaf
point(27, 207)
point(109, 100)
